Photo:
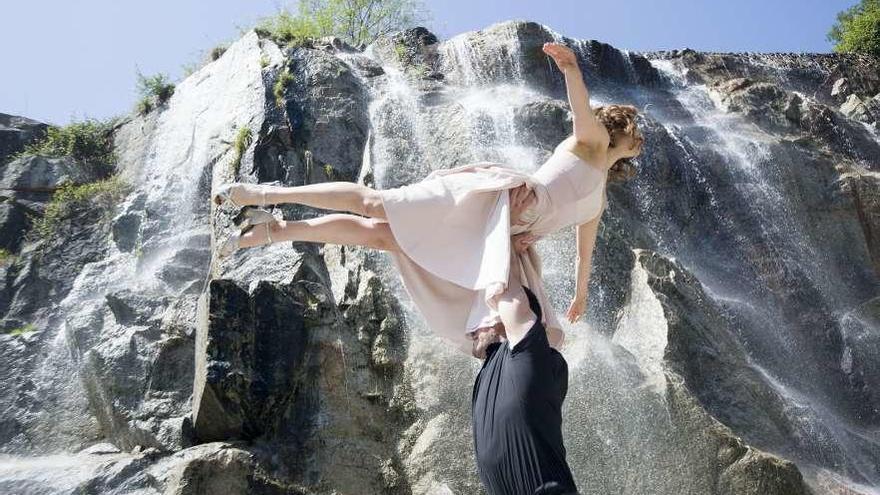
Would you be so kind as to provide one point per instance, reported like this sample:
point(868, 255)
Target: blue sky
point(69, 60)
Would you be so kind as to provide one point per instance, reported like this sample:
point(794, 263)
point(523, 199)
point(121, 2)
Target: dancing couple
point(462, 240)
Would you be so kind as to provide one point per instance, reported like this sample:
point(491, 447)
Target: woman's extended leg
point(333, 228)
point(339, 195)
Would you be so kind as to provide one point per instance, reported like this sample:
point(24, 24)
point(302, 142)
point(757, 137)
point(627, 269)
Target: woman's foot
point(242, 194)
point(249, 237)
point(255, 216)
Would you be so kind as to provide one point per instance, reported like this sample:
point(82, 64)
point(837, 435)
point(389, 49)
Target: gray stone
point(17, 132)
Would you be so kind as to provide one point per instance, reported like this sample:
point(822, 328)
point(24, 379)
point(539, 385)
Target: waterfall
point(734, 300)
point(615, 435)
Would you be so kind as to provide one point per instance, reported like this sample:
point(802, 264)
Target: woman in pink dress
point(450, 235)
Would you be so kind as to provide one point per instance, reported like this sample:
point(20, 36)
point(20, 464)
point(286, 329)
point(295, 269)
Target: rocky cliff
point(730, 346)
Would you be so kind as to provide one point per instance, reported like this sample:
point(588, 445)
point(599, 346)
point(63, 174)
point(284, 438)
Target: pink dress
point(454, 230)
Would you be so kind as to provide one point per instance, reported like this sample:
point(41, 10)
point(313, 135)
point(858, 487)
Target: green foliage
point(401, 51)
point(264, 61)
point(144, 105)
point(69, 198)
point(88, 141)
point(284, 79)
point(288, 29)
point(6, 257)
point(420, 70)
point(243, 139)
point(330, 171)
point(858, 29)
point(354, 21)
point(30, 327)
point(153, 90)
point(218, 52)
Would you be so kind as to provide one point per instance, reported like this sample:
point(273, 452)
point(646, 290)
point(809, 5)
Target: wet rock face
point(863, 190)
point(251, 360)
point(782, 112)
point(319, 133)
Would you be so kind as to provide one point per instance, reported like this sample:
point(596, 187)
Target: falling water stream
point(620, 434)
point(616, 436)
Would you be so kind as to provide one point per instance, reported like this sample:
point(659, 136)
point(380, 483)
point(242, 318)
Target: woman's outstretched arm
point(587, 128)
point(586, 242)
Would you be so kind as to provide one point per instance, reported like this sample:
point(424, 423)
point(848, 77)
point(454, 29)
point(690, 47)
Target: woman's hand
point(522, 241)
point(521, 198)
point(563, 56)
point(576, 309)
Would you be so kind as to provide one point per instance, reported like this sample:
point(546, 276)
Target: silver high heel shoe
point(255, 216)
point(232, 243)
point(224, 192)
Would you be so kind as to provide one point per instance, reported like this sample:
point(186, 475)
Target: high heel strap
point(268, 234)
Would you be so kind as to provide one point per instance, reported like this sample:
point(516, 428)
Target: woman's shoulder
point(588, 153)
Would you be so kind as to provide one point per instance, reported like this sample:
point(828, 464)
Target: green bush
point(354, 21)
point(218, 52)
point(858, 29)
point(288, 29)
point(22, 330)
point(144, 105)
point(401, 51)
point(88, 141)
point(242, 140)
point(154, 90)
point(284, 79)
point(69, 198)
point(6, 257)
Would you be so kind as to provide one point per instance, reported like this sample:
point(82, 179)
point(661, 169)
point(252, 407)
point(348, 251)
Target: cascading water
point(791, 305)
point(773, 220)
point(169, 178)
point(616, 437)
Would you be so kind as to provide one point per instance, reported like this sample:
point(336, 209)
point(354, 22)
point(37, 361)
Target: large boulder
point(17, 132)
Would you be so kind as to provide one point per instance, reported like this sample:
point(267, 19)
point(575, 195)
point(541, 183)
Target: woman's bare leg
point(339, 195)
point(333, 228)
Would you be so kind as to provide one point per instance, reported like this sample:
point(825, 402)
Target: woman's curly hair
point(619, 119)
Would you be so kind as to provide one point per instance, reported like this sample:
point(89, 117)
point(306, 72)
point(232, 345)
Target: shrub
point(30, 327)
point(218, 52)
point(152, 88)
point(6, 257)
point(69, 198)
point(287, 29)
point(144, 105)
point(356, 22)
point(89, 141)
point(401, 51)
point(284, 79)
point(858, 29)
point(242, 140)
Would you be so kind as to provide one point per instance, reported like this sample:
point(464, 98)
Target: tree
point(355, 21)
point(858, 29)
